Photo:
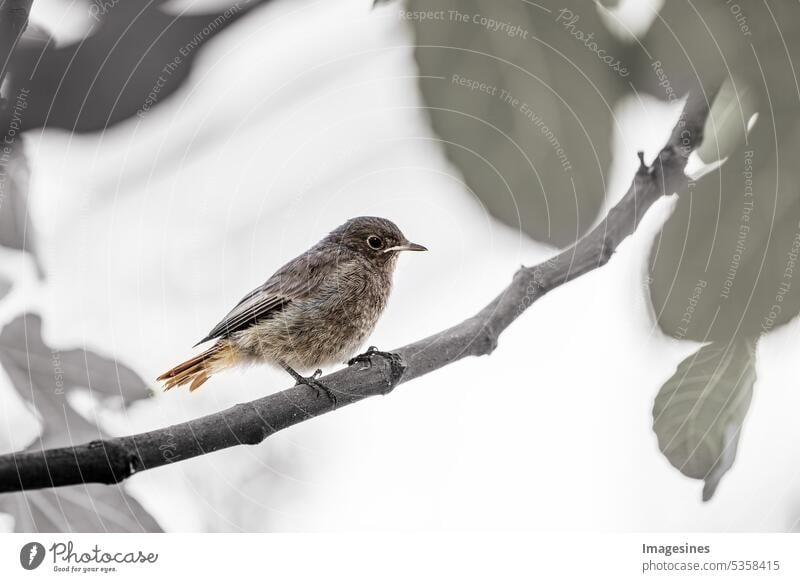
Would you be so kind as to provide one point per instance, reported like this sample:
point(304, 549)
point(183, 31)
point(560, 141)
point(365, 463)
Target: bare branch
point(112, 460)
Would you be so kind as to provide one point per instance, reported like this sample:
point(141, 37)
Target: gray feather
point(297, 279)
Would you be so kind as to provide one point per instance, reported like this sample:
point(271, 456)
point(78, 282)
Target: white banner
point(382, 556)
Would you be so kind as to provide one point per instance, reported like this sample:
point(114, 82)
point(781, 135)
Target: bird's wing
point(255, 306)
point(295, 280)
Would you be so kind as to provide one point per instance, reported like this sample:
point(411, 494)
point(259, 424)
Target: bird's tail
point(199, 369)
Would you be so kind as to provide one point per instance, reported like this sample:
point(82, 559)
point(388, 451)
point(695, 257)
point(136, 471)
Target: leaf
point(727, 124)
point(699, 412)
point(5, 287)
point(135, 58)
point(523, 105)
point(88, 509)
point(736, 236)
point(15, 225)
point(45, 377)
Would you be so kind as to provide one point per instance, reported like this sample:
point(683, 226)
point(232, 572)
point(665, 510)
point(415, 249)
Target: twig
point(115, 459)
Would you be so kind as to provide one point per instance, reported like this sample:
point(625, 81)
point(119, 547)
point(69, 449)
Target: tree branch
point(112, 460)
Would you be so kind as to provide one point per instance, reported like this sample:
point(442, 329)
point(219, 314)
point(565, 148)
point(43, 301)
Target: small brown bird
point(314, 311)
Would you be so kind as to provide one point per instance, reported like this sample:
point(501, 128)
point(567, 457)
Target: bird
point(315, 311)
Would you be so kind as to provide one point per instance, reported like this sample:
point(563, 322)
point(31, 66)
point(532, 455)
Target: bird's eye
point(374, 242)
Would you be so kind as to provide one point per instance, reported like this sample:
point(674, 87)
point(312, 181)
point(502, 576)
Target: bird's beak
point(409, 246)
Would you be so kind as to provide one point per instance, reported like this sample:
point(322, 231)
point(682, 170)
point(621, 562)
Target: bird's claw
point(366, 358)
point(318, 386)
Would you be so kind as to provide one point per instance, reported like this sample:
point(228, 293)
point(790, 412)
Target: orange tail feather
point(199, 369)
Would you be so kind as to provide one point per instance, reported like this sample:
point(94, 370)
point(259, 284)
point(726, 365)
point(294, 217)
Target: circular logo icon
point(31, 555)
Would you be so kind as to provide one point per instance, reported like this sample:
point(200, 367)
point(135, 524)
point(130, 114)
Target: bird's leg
point(365, 357)
point(310, 381)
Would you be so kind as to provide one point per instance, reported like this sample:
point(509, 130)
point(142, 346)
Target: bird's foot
point(393, 370)
point(366, 357)
point(318, 386)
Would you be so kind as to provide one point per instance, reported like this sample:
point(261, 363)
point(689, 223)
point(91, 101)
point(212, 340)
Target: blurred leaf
point(736, 236)
point(523, 105)
point(13, 20)
point(135, 58)
point(5, 287)
point(36, 36)
point(698, 413)
point(44, 377)
point(707, 43)
point(80, 509)
point(727, 123)
point(16, 231)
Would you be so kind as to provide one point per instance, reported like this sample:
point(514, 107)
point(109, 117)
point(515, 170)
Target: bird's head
point(377, 239)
